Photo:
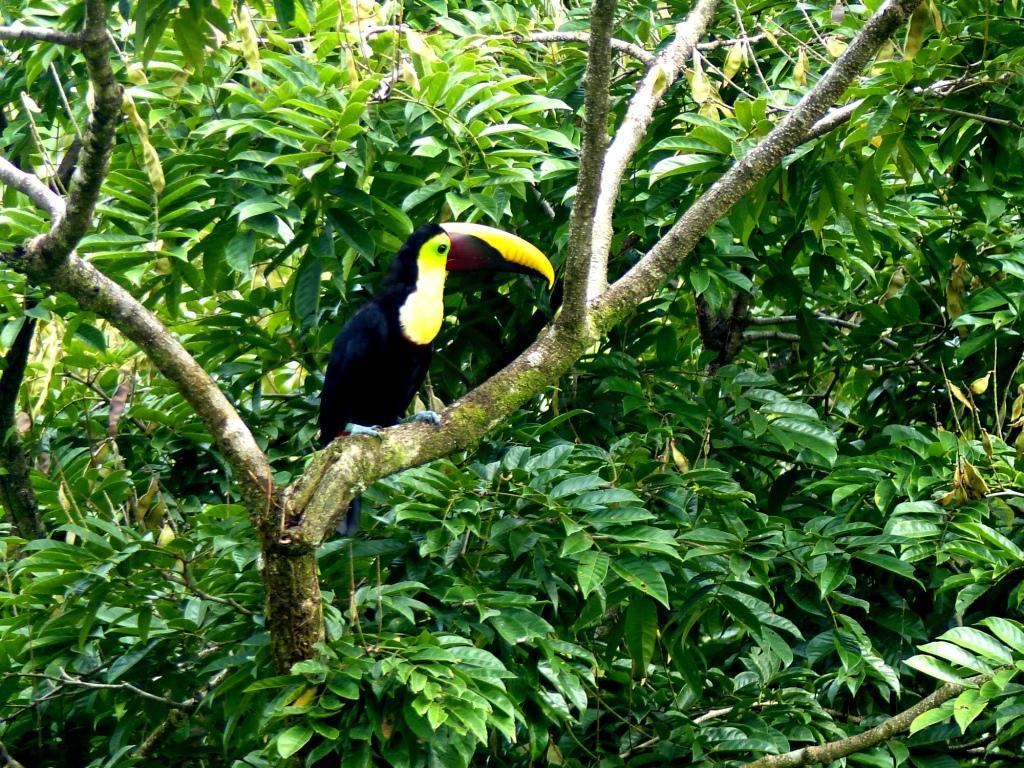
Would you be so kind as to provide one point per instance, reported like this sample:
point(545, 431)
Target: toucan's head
point(433, 250)
point(453, 247)
point(478, 247)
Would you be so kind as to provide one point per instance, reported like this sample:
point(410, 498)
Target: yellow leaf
point(915, 32)
point(933, 9)
point(419, 46)
point(699, 85)
point(249, 38)
point(1017, 409)
point(166, 536)
point(136, 73)
point(408, 73)
point(144, 503)
point(959, 394)
point(735, 59)
point(304, 697)
point(178, 80)
point(978, 386)
point(835, 46)
point(954, 498)
point(679, 458)
point(895, 286)
point(150, 158)
point(986, 443)
point(800, 70)
point(660, 82)
point(971, 481)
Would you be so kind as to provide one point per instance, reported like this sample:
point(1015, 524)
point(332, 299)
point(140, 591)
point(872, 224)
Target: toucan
point(381, 355)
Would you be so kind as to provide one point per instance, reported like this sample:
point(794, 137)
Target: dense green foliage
point(655, 561)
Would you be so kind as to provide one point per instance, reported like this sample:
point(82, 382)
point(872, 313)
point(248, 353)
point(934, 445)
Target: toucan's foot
point(431, 417)
point(359, 429)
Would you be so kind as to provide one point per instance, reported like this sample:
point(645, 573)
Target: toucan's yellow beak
point(476, 246)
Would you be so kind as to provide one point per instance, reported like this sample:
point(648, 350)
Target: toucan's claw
point(360, 429)
point(431, 417)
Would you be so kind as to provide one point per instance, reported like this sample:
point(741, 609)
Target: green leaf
point(967, 707)
point(293, 739)
point(977, 641)
point(641, 630)
point(931, 717)
point(1010, 632)
point(306, 289)
point(240, 250)
point(642, 575)
point(934, 668)
point(591, 570)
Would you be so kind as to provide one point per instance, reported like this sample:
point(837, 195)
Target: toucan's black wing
point(354, 364)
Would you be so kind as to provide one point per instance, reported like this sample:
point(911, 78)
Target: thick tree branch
point(18, 31)
point(49, 261)
point(631, 49)
point(666, 255)
point(30, 186)
point(834, 750)
point(592, 156)
point(95, 292)
point(662, 74)
point(16, 492)
point(316, 501)
point(55, 246)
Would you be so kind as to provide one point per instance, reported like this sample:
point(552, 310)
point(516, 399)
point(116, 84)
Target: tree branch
point(662, 74)
point(631, 49)
point(666, 255)
point(315, 502)
point(18, 31)
point(49, 261)
point(66, 679)
point(834, 750)
point(96, 292)
point(624, 46)
point(592, 158)
point(16, 492)
point(177, 716)
point(30, 186)
point(55, 246)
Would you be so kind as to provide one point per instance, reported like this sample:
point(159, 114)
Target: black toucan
point(381, 355)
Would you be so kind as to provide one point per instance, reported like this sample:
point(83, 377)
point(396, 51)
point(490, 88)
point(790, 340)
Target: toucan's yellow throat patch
point(422, 313)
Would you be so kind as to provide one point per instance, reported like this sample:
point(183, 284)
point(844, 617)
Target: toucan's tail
point(349, 524)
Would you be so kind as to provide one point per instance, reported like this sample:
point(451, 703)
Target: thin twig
point(979, 117)
point(186, 579)
point(65, 679)
point(622, 46)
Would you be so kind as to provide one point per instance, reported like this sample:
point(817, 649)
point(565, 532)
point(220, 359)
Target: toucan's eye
point(442, 248)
